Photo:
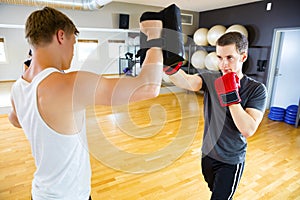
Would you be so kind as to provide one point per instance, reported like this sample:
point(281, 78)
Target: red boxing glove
point(227, 88)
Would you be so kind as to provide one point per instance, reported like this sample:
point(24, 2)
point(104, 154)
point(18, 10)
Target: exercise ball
point(237, 28)
point(198, 59)
point(200, 37)
point(215, 33)
point(212, 61)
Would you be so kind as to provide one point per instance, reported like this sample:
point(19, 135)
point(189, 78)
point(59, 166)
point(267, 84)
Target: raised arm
point(94, 89)
point(247, 121)
point(186, 81)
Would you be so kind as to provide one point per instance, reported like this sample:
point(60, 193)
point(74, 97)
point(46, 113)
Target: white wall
point(105, 18)
point(16, 52)
point(105, 60)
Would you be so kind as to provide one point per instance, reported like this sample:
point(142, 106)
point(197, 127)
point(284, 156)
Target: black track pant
point(222, 178)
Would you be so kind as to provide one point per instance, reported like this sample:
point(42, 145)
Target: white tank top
point(62, 162)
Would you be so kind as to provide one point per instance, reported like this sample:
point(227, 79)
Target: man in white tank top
point(50, 105)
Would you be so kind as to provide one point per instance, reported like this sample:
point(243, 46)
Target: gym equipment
point(131, 63)
point(215, 33)
point(237, 28)
point(136, 40)
point(198, 59)
point(171, 41)
point(212, 61)
point(276, 114)
point(227, 89)
point(291, 114)
point(288, 115)
point(200, 37)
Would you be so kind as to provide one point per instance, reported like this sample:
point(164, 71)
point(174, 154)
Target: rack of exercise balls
point(202, 53)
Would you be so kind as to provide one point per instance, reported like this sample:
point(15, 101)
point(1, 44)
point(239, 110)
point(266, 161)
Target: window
point(2, 51)
point(186, 19)
point(87, 49)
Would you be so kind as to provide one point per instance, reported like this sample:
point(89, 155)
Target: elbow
point(195, 88)
point(14, 121)
point(153, 91)
point(150, 92)
point(17, 125)
point(248, 132)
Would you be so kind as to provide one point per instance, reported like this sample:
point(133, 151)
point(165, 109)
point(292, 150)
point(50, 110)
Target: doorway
point(283, 78)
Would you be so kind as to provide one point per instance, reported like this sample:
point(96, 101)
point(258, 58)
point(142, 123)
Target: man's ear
point(244, 57)
point(60, 34)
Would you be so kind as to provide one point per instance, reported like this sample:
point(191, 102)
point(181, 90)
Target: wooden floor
point(150, 151)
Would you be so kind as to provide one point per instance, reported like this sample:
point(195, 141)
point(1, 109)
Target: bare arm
point(12, 117)
point(186, 81)
point(247, 121)
point(92, 89)
point(89, 89)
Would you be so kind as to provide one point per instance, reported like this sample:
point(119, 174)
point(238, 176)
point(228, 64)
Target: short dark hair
point(240, 41)
point(41, 25)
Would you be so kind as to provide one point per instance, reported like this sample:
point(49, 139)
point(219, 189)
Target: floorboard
point(162, 138)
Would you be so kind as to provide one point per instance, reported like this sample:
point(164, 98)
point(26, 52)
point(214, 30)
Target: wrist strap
point(230, 97)
point(159, 42)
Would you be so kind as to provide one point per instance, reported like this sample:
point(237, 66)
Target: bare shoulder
point(57, 102)
point(67, 81)
point(57, 82)
point(76, 88)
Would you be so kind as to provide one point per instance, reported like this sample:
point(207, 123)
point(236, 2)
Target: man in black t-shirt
point(234, 106)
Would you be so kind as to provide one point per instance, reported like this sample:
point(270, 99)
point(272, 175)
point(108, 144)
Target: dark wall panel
point(260, 24)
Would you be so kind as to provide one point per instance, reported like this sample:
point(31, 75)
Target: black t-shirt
point(222, 140)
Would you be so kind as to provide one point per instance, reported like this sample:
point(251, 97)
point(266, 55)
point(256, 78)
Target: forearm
point(185, 81)
point(147, 84)
point(243, 120)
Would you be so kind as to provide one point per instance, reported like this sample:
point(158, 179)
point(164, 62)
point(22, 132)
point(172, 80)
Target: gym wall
point(105, 18)
point(259, 22)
